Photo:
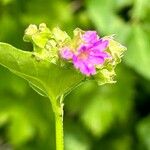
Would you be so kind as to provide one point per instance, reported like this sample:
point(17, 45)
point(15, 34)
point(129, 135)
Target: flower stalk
point(59, 132)
point(58, 114)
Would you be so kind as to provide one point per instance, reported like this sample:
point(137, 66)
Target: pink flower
point(66, 53)
point(90, 36)
point(89, 54)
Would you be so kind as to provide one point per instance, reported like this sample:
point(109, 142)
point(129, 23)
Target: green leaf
point(115, 141)
point(75, 137)
point(108, 105)
point(141, 9)
point(52, 12)
point(99, 14)
point(53, 80)
point(6, 2)
point(138, 53)
point(106, 18)
point(143, 132)
point(74, 101)
point(28, 118)
point(38, 90)
point(98, 115)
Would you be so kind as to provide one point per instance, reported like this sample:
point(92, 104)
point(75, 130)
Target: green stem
point(58, 111)
point(59, 132)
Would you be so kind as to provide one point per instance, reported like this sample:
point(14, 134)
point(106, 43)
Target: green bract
point(107, 72)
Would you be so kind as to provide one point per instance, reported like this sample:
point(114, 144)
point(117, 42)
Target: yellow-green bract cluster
point(46, 43)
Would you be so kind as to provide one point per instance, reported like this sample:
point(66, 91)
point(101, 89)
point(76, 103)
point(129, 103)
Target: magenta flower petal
point(91, 69)
point(82, 48)
point(90, 36)
point(99, 53)
point(96, 59)
point(84, 66)
point(100, 45)
point(66, 53)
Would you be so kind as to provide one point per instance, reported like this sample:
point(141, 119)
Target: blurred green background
point(110, 117)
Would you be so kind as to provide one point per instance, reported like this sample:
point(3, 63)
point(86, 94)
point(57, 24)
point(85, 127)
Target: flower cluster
point(86, 51)
point(90, 53)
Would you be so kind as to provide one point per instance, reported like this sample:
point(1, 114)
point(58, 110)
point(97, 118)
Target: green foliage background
point(110, 117)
